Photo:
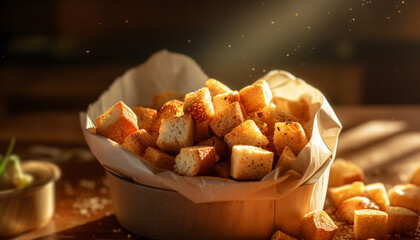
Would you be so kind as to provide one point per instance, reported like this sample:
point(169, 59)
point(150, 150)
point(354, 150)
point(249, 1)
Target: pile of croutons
point(213, 131)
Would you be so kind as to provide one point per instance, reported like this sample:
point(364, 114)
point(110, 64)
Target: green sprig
point(5, 159)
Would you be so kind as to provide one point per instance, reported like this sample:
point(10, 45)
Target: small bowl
point(30, 207)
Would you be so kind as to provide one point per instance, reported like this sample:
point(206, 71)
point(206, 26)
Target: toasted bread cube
point(250, 163)
point(221, 147)
point(145, 117)
point(246, 133)
point(138, 141)
point(227, 119)
point(172, 108)
point(195, 161)
point(223, 100)
point(257, 118)
point(289, 134)
point(256, 96)
point(176, 133)
point(202, 131)
point(279, 235)
point(407, 195)
point(215, 87)
point(369, 223)
point(377, 193)
point(298, 109)
point(344, 172)
point(317, 225)
point(342, 193)
point(273, 114)
point(199, 105)
point(222, 169)
point(347, 207)
point(161, 98)
point(401, 220)
point(159, 158)
point(286, 159)
point(415, 179)
point(117, 123)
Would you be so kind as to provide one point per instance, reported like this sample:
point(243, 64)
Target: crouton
point(415, 179)
point(286, 159)
point(256, 96)
point(222, 149)
point(195, 161)
point(298, 109)
point(176, 133)
point(246, 133)
point(222, 169)
point(339, 194)
point(117, 122)
point(222, 100)
point(273, 114)
point(369, 223)
point(250, 163)
point(317, 225)
point(343, 172)
point(215, 87)
point(257, 118)
point(138, 141)
point(279, 235)
point(377, 193)
point(202, 131)
point(347, 207)
point(289, 134)
point(161, 98)
point(145, 117)
point(172, 108)
point(401, 220)
point(199, 105)
point(407, 195)
point(159, 159)
point(227, 119)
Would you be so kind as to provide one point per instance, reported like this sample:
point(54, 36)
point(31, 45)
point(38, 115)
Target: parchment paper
point(165, 71)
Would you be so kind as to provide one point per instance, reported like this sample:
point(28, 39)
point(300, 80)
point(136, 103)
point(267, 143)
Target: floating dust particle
point(243, 35)
point(189, 41)
point(295, 49)
point(308, 27)
point(263, 70)
point(304, 64)
point(388, 18)
point(229, 46)
point(287, 54)
point(298, 46)
point(99, 23)
point(87, 51)
point(126, 21)
point(128, 235)
point(249, 75)
point(399, 11)
point(349, 29)
point(117, 230)
point(253, 69)
point(296, 14)
point(350, 9)
point(329, 12)
point(402, 2)
point(272, 22)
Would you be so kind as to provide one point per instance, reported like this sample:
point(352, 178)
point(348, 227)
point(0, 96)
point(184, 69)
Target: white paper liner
point(166, 71)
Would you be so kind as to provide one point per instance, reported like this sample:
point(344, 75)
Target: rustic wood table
point(383, 140)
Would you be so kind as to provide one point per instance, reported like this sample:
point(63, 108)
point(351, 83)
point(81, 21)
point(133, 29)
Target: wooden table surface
point(383, 140)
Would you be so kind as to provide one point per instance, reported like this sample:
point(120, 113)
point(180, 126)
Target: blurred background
point(58, 56)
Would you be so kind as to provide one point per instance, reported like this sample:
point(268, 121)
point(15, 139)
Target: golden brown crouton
point(176, 133)
point(347, 207)
point(415, 179)
point(250, 163)
point(145, 117)
point(279, 235)
point(317, 225)
point(199, 105)
point(202, 131)
point(261, 124)
point(407, 195)
point(215, 87)
point(273, 114)
point(246, 133)
point(195, 161)
point(223, 100)
point(138, 141)
point(377, 193)
point(401, 220)
point(289, 134)
point(161, 98)
point(298, 109)
point(339, 194)
point(222, 169)
point(256, 96)
point(286, 159)
point(227, 119)
point(221, 147)
point(159, 158)
point(370, 223)
point(117, 123)
point(344, 172)
point(172, 108)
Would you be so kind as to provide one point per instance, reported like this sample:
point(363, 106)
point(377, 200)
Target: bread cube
point(256, 96)
point(401, 220)
point(159, 159)
point(215, 87)
point(415, 179)
point(317, 225)
point(223, 100)
point(202, 131)
point(250, 163)
point(279, 235)
point(138, 141)
point(370, 223)
point(246, 133)
point(377, 193)
point(289, 134)
point(286, 159)
point(161, 98)
point(145, 117)
point(172, 108)
point(117, 122)
point(195, 161)
point(298, 109)
point(347, 207)
point(222, 169)
point(273, 114)
point(257, 118)
point(199, 105)
point(225, 120)
point(222, 149)
point(342, 193)
point(176, 133)
point(344, 172)
point(407, 195)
